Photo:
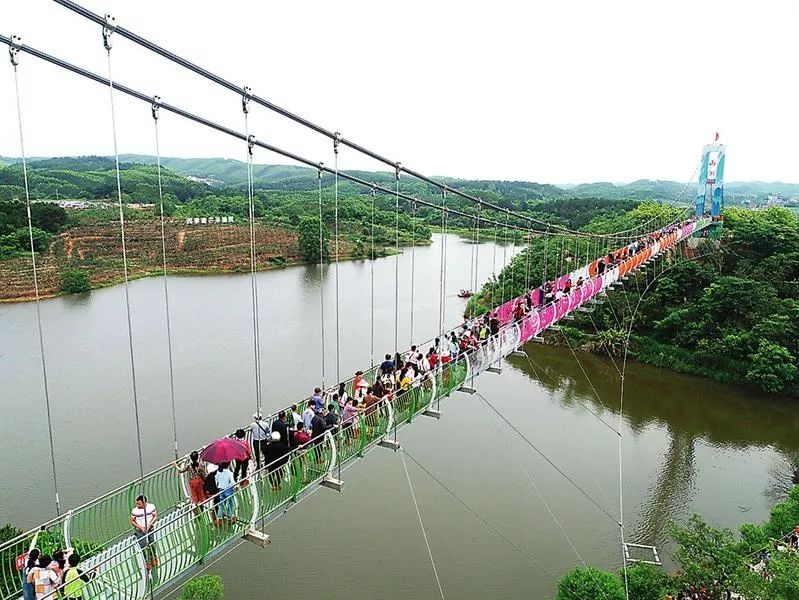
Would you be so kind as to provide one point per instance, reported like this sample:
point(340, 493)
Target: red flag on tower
point(717, 136)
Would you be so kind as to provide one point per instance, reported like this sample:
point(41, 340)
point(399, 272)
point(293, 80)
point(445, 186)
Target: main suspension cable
point(243, 137)
point(333, 135)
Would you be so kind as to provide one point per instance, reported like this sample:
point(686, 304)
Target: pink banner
point(546, 316)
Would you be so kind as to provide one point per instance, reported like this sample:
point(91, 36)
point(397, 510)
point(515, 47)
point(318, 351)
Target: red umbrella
point(225, 450)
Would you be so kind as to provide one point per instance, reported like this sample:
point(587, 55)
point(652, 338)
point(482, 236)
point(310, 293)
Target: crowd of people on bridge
point(44, 576)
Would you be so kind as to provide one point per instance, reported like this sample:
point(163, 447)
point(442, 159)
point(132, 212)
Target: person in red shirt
point(356, 382)
point(301, 436)
point(432, 358)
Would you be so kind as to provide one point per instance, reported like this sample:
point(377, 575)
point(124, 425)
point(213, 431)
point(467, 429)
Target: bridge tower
point(711, 184)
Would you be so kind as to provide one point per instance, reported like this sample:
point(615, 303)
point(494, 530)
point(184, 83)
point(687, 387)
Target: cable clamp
point(155, 107)
point(14, 48)
point(374, 190)
point(397, 170)
point(319, 170)
point(413, 204)
point(336, 142)
point(246, 95)
point(108, 29)
point(250, 143)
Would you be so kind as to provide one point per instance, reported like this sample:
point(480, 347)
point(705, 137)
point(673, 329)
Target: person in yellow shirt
point(74, 579)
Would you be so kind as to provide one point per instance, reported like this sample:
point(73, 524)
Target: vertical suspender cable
point(372, 283)
point(321, 271)
point(413, 261)
point(155, 110)
point(471, 255)
point(544, 276)
point(442, 283)
point(529, 252)
point(108, 30)
point(14, 53)
point(396, 259)
point(494, 257)
point(505, 258)
point(256, 341)
point(477, 251)
point(335, 193)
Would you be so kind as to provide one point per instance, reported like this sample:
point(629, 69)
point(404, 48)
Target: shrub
point(75, 281)
point(646, 582)
point(590, 582)
point(8, 532)
point(205, 587)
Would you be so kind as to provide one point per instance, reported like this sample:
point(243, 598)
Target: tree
point(589, 582)
point(205, 587)
point(41, 239)
point(772, 368)
point(309, 239)
point(75, 281)
point(646, 582)
point(708, 556)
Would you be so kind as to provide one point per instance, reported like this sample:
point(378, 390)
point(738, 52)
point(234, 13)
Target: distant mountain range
point(225, 172)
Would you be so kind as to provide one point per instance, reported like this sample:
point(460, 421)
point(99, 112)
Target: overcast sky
point(557, 91)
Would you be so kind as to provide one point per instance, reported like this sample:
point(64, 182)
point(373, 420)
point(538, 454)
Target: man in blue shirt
point(387, 366)
point(316, 398)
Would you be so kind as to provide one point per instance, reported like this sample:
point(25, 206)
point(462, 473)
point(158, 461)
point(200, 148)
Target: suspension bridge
point(186, 535)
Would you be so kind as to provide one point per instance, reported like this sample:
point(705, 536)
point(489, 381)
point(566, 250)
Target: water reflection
point(691, 413)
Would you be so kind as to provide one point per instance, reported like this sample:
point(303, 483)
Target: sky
point(564, 91)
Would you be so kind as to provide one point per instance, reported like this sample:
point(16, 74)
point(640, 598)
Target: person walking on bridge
point(143, 517)
point(259, 433)
point(74, 579)
point(197, 474)
point(43, 578)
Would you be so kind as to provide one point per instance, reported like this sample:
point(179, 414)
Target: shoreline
point(192, 272)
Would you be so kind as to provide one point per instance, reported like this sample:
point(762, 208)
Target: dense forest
point(727, 311)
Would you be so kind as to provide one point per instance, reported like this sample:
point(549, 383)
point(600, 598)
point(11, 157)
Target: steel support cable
point(256, 333)
point(471, 254)
point(421, 525)
point(544, 276)
point(287, 154)
point(549, 461)
point(538, 493)
point(154, 112)
point(396, 263)
point(442, 282)
point(413, 262)
point(108, 30)
point(225, 130)
point(13, 55)
point(372, 284)
point(442, 341)
point(335, 192)
point(321, 273)
point(477, 254)
point(588, 379)
point(485, 521)
point(528, 255)
point(171, 56)
point(505, 262)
